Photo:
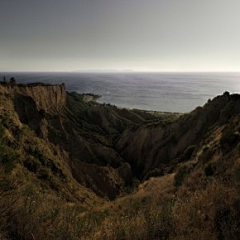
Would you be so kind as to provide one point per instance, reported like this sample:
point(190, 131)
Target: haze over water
point(171, 92)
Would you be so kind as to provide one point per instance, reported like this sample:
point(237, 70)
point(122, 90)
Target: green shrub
point(188, 152)
point(156, 172)
point(180, 176)
point(236, 176)
point(229, 138)
point(32, 164)
point(6, 121)
point(44, 173)
point(9, 158)
point(209, 169)
point(206, 154)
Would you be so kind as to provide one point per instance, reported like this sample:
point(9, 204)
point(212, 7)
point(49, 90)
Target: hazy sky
point(148, 35)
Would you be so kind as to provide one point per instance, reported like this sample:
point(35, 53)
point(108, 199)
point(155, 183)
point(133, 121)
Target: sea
point(166, 92)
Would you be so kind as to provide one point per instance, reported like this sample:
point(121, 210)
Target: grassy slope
point(39, 199)
point(200, 200)
point(38, 196)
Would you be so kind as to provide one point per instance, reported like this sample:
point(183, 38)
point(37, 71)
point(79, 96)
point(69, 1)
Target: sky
point(120, 35)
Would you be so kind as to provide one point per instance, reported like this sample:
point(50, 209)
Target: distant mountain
point(104, 70)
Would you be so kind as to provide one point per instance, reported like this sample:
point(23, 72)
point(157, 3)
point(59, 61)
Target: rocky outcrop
point(50, 98)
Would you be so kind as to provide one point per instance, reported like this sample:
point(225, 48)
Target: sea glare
point(168, 92)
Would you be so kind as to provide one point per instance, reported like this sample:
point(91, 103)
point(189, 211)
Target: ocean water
point(170, 92)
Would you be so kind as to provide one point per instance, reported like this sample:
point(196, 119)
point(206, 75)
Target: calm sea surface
point(172, 92)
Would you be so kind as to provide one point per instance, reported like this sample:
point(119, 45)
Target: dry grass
point(145, 214)
point(196, 214)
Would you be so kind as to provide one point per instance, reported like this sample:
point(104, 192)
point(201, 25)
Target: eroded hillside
point(160, 146)
point(83, 133)
point(62, 158)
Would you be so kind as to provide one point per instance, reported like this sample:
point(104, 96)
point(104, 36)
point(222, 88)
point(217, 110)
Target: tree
point(12, 81)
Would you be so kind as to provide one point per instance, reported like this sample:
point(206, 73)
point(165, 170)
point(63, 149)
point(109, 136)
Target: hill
point(70, 168)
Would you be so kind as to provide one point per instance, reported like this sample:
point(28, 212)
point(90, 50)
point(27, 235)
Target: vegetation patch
point(181, 175)
point(210, 169)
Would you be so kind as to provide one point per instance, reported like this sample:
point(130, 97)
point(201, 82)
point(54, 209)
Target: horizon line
point(114, 71)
